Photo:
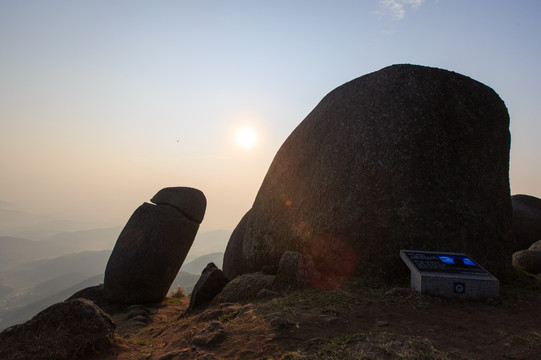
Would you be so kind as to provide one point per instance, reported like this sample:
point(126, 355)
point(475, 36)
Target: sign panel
point(449, 275)
point(451, 263)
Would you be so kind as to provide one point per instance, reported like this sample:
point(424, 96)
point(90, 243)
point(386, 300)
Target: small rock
point(536, 246)
point(281, 323)
point(138, 312)
point(138, 307)
point(245, 287)
point(528, 260)
point(212, 333)
point(211, 282)
point(381, 323)
point(140, 318)
point(267, 294)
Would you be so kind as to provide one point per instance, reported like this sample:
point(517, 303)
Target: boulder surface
point(244, 288)
point(296, 272)
point(66, 330)
point(406, 157)
point(529, 260)
point(526, 220)
point(152, 247)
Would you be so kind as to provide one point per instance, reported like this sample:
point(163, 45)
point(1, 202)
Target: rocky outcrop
point(152, 246)
point(244, 288)
point(211, 282)
point(406, 157)
point(66, 330)
point(526, 220)
point(529, 260)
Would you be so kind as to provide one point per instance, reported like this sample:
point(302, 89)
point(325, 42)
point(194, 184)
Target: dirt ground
point(350, 323)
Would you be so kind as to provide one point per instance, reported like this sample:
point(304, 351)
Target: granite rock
point(405, 157)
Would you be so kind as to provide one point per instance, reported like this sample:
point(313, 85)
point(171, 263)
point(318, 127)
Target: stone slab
point(451, 275)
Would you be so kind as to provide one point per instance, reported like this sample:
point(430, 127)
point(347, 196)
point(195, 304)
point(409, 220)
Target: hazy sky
point(103, 103)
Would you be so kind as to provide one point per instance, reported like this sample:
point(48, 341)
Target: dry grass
point(378, 345)
point(178, 293)
point(352, 295)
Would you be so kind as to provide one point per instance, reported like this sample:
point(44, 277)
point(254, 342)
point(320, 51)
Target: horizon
point(103, 104)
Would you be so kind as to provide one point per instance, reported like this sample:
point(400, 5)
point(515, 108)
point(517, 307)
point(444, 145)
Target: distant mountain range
point(36, 226)
point(15, 250)
point(197, 265)
point(17, 308)
point(86, 263)
point(16, 315)
point(35, 274)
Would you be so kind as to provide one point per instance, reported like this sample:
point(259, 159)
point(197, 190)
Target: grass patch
point(143, 342)
point(380, 345)
point(351, 296)
point(178, 293)
point(148, 345)
point(173, 301)
point(228, 317)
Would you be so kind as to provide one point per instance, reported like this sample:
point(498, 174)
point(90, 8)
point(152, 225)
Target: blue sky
point(102, 103)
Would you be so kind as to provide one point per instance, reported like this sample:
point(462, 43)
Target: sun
point(246, 137)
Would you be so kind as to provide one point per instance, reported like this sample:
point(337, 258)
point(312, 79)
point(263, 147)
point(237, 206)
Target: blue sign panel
point(427, 261)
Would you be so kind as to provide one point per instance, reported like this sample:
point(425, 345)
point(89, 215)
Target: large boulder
point(234, 265)
point(526, 220)
point(406, 157)
point(152, 247)
point(66, 330)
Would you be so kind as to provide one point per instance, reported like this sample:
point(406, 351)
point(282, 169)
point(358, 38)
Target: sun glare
point(246, 137)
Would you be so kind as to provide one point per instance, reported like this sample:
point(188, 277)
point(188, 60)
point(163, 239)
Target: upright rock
point(406, 157)
point(211, 282)
point(153, 245)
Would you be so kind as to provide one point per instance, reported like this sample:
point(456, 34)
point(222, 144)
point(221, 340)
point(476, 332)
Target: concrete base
point(466, 281)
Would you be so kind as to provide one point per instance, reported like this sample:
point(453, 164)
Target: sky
point(103, 103)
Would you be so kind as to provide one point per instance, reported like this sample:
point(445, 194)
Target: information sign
point(449, 274)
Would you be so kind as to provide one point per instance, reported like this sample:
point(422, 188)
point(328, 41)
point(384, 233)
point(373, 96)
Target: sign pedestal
point(451, 275)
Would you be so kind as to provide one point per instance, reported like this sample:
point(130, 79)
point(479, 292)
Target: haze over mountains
point(44, 260)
